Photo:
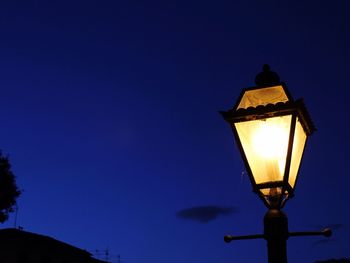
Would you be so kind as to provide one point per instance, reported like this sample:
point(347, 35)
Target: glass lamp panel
point(265, 144)
point(297, 152)
point(263, 96)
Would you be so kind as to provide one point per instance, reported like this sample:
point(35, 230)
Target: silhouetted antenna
point(107, 255)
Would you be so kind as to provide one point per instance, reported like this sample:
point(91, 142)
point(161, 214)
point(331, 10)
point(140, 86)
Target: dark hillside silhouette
point(8, 189)
point(20, 246)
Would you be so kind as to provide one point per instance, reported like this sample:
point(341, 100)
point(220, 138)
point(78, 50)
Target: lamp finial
point(267, 77)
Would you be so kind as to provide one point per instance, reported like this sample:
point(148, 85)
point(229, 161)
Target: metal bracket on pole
point(229, 238)
point(327, 232)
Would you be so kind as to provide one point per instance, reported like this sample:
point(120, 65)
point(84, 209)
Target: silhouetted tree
point(8, 189)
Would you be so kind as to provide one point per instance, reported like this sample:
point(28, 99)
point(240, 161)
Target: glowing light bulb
point(270, 140)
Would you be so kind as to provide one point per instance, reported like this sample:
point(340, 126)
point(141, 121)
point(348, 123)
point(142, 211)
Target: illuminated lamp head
point(271, 130)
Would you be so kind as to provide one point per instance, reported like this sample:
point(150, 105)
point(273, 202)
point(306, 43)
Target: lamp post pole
point(276, 234)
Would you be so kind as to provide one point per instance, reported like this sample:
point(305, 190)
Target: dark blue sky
point(109, 113)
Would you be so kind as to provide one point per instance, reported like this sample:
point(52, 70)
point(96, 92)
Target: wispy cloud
point(323, 241)
point(204, 214)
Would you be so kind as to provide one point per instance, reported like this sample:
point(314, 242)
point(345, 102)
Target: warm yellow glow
point(297, 152)
point(270, 140)
point(265, 143)
point(263, 96)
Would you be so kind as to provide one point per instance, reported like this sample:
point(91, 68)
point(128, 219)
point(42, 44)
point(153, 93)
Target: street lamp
point(271, 130)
